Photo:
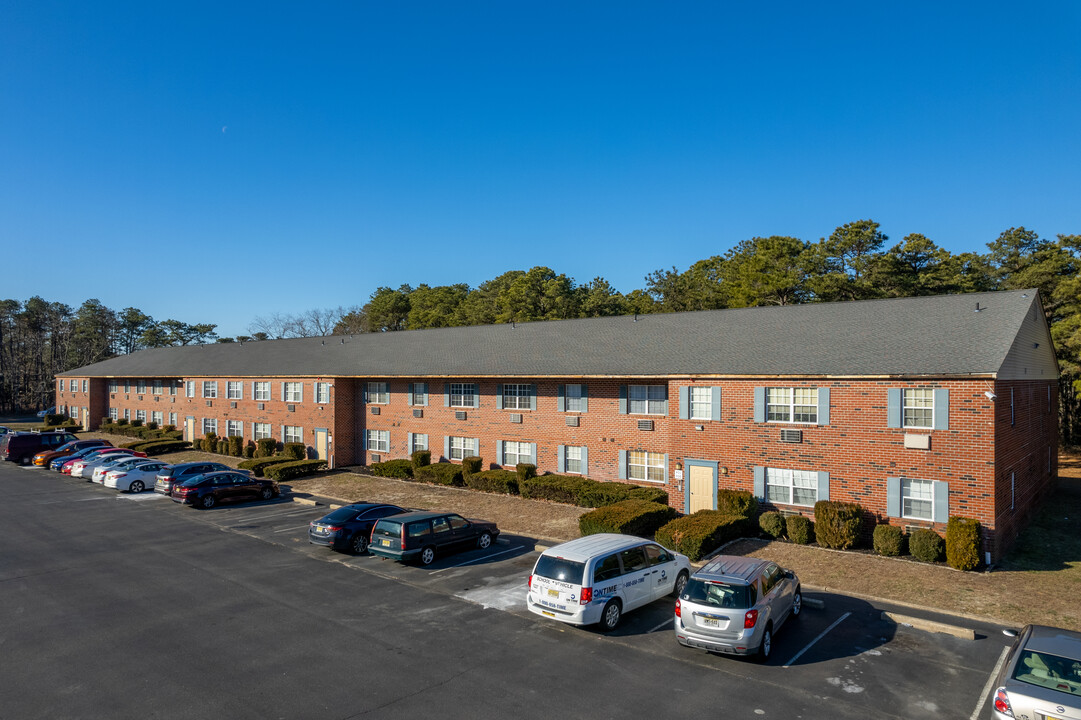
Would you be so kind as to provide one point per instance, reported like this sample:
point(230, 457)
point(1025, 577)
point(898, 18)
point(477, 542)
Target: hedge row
point(494, 481)
point(439, 474)
point(701, 533)
point(583, 492)
point(960, 548)
point(259, 465)
point(630, 517)
point(297, 468)
point(402, 469)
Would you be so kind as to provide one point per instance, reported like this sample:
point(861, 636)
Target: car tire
point(766, 648)
point(266, 493)
point(484, 541)
point(681, 582)
point(427, 555)
point(208, 501)
point(611, 614)
point(137, 487)
point(359, 544)
point(797, 603)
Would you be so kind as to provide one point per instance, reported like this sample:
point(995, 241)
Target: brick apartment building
point(916, 408)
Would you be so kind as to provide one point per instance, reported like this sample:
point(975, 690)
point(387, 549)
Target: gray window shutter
point(409, 443)
point(684, 402)
point(823, 406)
point(622, 464)
point(561, 398)
point(942, 409)
point(666, 468)
point(623, 401)
point(893, 408)
point(499, 397)
point(532, 453)
point(446, 394)
point(585, 401)
point(499, 453)
point(823, 485)
point(893, 497)
point(760, 404)
point(715, 410)
point(760, 482)
point(365, 438)
point(942, 501)
point(283, 393)
point(533, 397)
point(476, 447)
point(446, 447)
point(561, 463)
point(666, 404)
point(585, 460)
point(476, 395)
point(412, 395)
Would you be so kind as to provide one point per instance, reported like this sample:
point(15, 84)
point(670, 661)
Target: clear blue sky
point(215, 161)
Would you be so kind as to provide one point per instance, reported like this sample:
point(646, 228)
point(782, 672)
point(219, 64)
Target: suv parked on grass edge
point(422, 535)
point(21, 446)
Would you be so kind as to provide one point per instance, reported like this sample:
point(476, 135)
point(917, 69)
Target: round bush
point(772, 523)
point(926, 545)
point(422, 458)
point(800, 529)
point(888, 540)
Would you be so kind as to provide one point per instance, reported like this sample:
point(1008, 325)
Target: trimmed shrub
point(266, 447)
point(159, 447)
point(169, 428)
point(152, 425)
point(421, 458)
point(393, 468)
point(926, 545)
point(838, 524)
point(555, 488)
point(525, 471)
point(701, 533)
point(470, 465)
point(772, 523)
point(800, 529)
point(440, 474)
point(648, 493)
point(494, 481)
point(104, 422)
point(298, 451)
point(249, 451)
point(888, 540)
point(122, 421)
point(737, 502)
point(259, 465)
point(236, 445)
point(173, 434)
point(963, 543)
point(136, 423)
point(222, 446)
point(210, 443)
point(631, 517)
point(294, 469)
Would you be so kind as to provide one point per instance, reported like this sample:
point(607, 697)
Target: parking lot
point(840, 659)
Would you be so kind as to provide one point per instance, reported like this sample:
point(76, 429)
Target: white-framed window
point(172, 387)
point(261, 392)
point(792, 405)
point(647, 399)
point(172, 419)
point(234, 428)
point(210, 388)
point(379, 440)
point(260, 430)
point(572, 458)
point(418, 394)
point(157, 387)
point(74, 412)
point(573, 398)
point(158, 416)
point(462, 447)
point(702, 403)
point(322, 393)
point(378, 393)
point(791, 487)
point(140, 415)
point(292, 433)
point(918, 407)
point(60, 385)
point(917, 499)
point(234, 390)
point(127, 414)
point(648, 466)
point(113, 414)
point(517, 452)
point(113, 386)
point(462, 394)
point(210, 425)
point(420, 442)
point(73, 384)
point(293, 392)
point(86, 385)
point(189, 388)
point(516, 396)
point(127, 386)
point(140, 387)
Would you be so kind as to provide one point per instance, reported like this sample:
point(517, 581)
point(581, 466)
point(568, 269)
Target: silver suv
point(734, 605)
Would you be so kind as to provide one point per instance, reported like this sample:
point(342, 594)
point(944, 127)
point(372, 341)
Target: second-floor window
point(322, 392)
point(210, 388)
point(293, 392)
point(648, 399)
point(516, 397)
point(462, 394)
point(262, 392)
point(919, 407)
point(378, 393)
point(792, 405)
point(234, 390)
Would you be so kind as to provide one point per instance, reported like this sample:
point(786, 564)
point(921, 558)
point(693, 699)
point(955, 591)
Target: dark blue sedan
point(348, 528)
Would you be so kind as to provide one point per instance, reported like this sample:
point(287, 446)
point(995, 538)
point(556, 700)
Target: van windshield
point(388, 528)
point(556, 568)
point(718, 594)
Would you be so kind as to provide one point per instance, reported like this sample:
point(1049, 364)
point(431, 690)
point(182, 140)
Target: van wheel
point(767, 644)
point(681, 582)
point(797, 603)
point(611, 614)
point(427, 555)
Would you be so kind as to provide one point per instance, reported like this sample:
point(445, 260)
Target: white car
point(136, 478)
point(98, 476)
point(85, 468)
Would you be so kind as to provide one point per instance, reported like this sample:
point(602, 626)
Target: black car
point(348, 528)
point(422, 535)
point(20, 447)
point(206, 491)
point(175, 474)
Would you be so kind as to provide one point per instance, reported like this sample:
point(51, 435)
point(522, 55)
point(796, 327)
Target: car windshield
point(1049, 671)
point(389, 528)
point(556, 568)
point(719, 594)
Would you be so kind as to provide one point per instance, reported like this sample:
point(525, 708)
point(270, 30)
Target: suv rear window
point(556, 568)
point(718, 594)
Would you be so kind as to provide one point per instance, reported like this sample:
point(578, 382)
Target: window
point(127, 386)
point(648, 466)
point(379, 440)
point(794, 405)
point(702, 403)
point(140, 415)
point(648, 399)
point(462, 394)
point(189, 388)
point(260, 431)
point(158, 416)
point(791, 487)
point(917, 499)
point(172, 419)
point(113, 414)
point(919, 407)
point(113, 386)
point(418, 394)
point(517, 452)
point(378, 393)
point(127, 414)
point(210, 425)
point(462, 447)
point(73, 384)
point(210, 388)
point(74, 413)
point(234, 390)
point(575, 398)
point(140, 387)
point(322, 392)
point(85, 385)
point(172, 387)
point(517, 397)
point(261, 392)
point(573, 460)
point(293, 392)
point(292, 433)
point(234, 428)
point(157, 387)
point(420, 442)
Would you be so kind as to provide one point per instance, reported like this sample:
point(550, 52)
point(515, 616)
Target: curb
point(929, 625)
point(918, 608)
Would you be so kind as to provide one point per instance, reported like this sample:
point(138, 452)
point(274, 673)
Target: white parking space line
point(291, 529)
point(470, 562)
point(142, 497)
point(669, 621)
point(987, 687)
point(820, 636)
point(264, 516)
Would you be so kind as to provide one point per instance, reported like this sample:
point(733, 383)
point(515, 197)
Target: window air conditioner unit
point(262, 406)
point(792, 436)
point(376, 458)
point(645, 424)
point(460, 415)
point(516, 417)
point(232, 404)
point(418, 412)
point(293, 408)
point(375, 410)
point(573, 421)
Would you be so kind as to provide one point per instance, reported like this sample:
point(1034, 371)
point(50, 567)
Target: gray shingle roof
point(939, 335)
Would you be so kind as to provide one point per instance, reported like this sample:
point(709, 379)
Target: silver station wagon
point(734, 605)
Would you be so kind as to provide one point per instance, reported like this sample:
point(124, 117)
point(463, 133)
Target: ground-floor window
point(517, 452)
point(647, 466)
point(210, 425)
point(234, 428)
point(573, 460)
point(917, 499)
point(158, 416)
point(140, 415)
point(260, 431)
point(292, 433)
point(791, 487)
point(379, 440)
point(462, 447)
point(113, 414)
point(172, 419)
point(420, 442)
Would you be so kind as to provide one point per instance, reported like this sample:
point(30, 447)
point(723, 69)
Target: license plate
point(553, 593)
point(385, 543)
point(711, 622)
point(545, 612)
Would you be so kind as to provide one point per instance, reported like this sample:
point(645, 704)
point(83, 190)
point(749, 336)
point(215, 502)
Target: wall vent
point(516, 417)
point(376, 457)
point(210, 403)
point(157, 399)
point(460, 415)
point(232, 404)
point(375, 410)
point(138, 397)
point(418, 412)
point(291, 408)
point(262, 406)
point(792, 436)
point(645, 424)
point(573, 421)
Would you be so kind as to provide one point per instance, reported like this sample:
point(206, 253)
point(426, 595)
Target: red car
point(66, 467)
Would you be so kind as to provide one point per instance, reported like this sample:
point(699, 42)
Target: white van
point(597, 578)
